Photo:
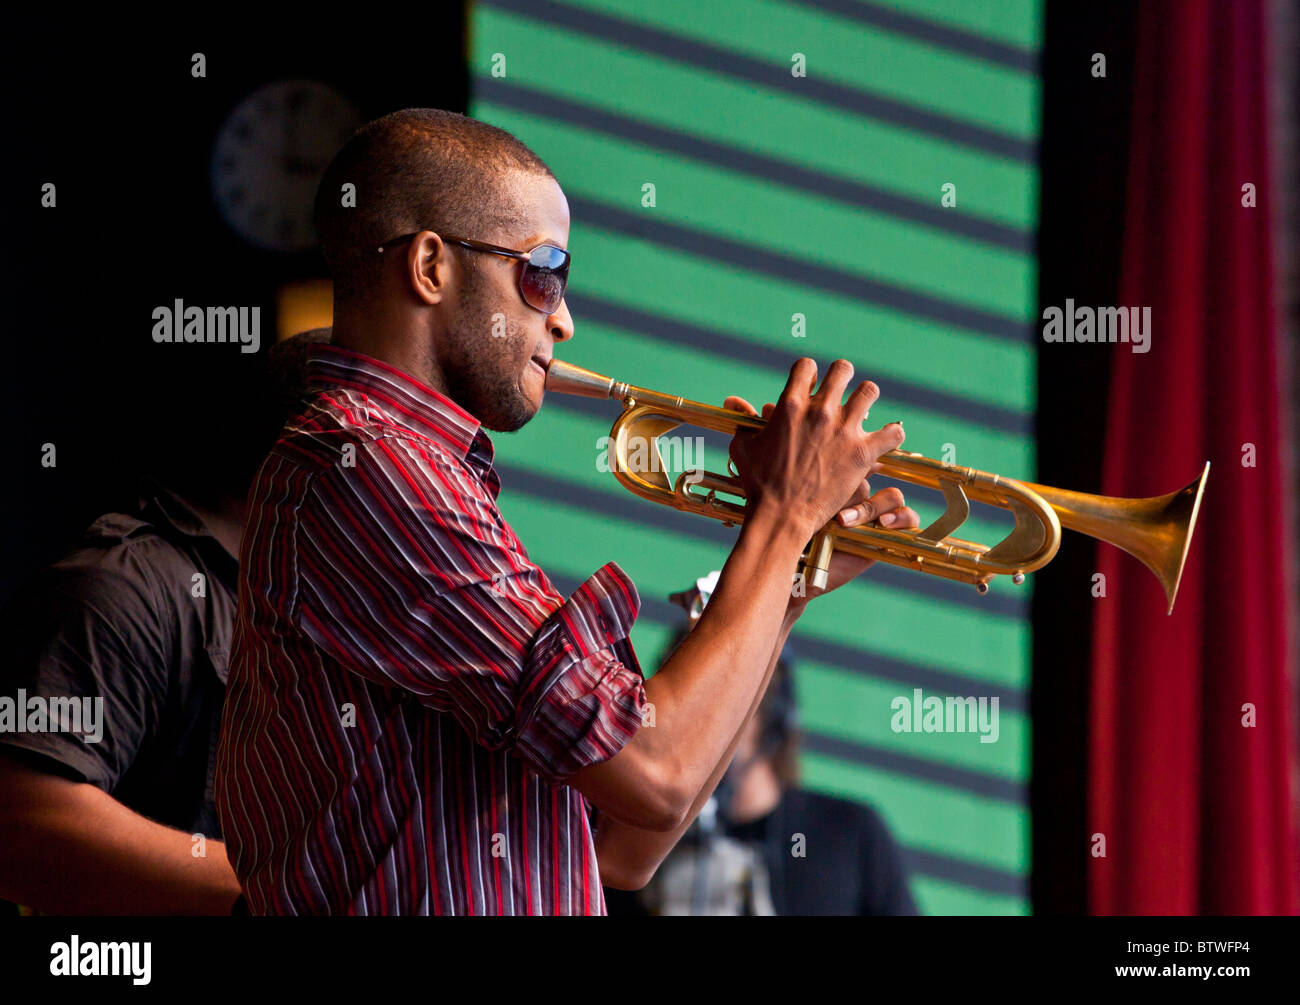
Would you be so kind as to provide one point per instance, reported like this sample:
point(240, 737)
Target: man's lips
point(541, 362)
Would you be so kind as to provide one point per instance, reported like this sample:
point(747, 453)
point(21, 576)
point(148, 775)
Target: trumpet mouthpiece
point(565, 378)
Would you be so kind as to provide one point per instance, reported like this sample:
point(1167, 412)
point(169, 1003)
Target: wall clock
point(269, 156)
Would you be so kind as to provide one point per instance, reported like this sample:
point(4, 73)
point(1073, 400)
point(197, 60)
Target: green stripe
point(1016, 22)
point(859, 709)
point(677, 285)
point(841, 50)
point(908, 626)
point(650, 641)
point(937, 896)
point(690, 99)
point(929, 817)
point(756, 212)
point(569, 448)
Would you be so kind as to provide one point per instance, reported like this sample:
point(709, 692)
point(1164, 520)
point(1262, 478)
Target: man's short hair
point(415, 169)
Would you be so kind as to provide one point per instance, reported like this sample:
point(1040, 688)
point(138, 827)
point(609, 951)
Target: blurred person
point(134, 625)
point(417, 721)
point(739, 858)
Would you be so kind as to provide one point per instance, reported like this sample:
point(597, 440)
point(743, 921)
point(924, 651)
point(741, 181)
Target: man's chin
point(513, 419)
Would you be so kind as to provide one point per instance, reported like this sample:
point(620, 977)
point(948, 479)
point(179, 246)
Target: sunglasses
point(542, 280)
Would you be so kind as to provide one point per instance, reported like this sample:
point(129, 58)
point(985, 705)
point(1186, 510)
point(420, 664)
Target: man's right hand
point(813, 455)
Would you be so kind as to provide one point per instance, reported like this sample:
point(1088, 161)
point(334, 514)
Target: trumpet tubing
point(1157, 531)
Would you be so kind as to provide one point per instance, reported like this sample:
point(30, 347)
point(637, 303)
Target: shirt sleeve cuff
point(60, 754)
point(583, 695)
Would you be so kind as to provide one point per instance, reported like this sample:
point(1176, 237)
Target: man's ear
point(429, 267)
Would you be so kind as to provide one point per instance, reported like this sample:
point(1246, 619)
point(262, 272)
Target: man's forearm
point(629, 856)
point(706, 690)
point(69, 848)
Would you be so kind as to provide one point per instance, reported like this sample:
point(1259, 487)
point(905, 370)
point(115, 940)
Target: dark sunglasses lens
point(545, 277)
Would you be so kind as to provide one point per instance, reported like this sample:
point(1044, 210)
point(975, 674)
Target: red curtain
point(1195, 808)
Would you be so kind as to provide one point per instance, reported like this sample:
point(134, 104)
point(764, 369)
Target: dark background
point(1084, 157)
point(118, 123)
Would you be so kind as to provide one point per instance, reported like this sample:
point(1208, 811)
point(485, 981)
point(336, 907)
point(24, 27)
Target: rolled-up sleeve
point(409, 576)
point(585, 695)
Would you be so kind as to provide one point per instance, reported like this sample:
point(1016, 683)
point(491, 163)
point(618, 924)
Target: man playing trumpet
point(417, 722)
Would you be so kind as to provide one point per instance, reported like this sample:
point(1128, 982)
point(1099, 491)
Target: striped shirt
point(408, 692)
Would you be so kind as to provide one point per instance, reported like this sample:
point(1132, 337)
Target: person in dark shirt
point(129, 635)
point(140, 616)
point(850, 864)
point(766, 846)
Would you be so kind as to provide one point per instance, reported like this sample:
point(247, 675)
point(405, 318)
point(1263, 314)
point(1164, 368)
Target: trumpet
point(1157, 530)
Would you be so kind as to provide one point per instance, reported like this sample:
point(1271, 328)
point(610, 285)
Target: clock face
point(269, 157)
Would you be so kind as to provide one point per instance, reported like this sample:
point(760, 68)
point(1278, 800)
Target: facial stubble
point(485, 373)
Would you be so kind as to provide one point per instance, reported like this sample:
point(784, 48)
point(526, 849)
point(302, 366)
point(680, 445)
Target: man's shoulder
point(126, 593)
point(127, 570)
point(118, 553)
point(338, 425)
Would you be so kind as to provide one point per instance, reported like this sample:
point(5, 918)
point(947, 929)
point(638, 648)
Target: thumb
point(888, 437)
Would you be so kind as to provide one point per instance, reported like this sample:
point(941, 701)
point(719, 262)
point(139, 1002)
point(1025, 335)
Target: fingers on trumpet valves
point(887, 508)
point(858, 407)
point(802, 381)
point(886, 438)
point(831, 393)
point(903, 518)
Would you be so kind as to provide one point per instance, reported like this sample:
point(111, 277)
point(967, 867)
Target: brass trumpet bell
point(1157, 531)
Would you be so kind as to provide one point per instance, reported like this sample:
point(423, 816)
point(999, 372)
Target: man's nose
point(561, 323)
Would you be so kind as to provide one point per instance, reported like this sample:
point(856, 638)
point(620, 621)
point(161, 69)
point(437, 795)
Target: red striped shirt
point(408, 692)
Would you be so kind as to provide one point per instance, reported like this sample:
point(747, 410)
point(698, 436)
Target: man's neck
point(384, 337)
point(225, 520)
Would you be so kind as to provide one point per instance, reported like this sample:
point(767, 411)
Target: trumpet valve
point(817, 564)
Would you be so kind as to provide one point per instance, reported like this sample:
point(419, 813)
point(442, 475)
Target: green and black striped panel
point(779, 197)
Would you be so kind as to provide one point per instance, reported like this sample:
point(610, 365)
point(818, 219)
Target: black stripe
point(772, 76)
point(747, 353)
point(943, 36)
point(788, 268)
point(979, 877)
point(975, 782)
point(771, 169)
point(909, 674)
point(674, 523)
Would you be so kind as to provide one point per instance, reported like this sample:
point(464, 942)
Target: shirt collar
point(166, 507)
point(410, 402)
point(161, 507)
